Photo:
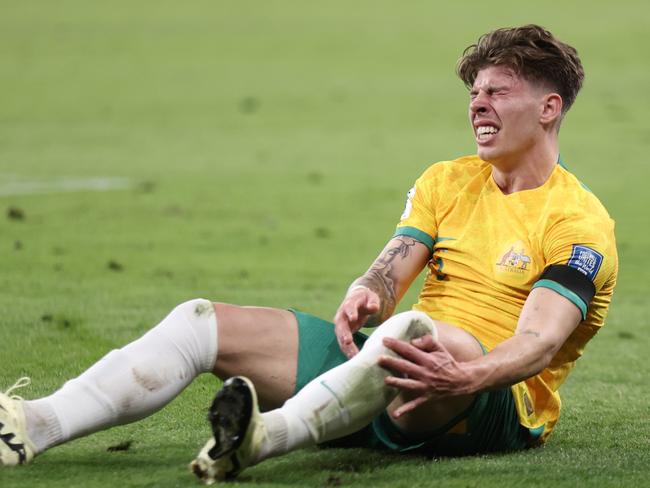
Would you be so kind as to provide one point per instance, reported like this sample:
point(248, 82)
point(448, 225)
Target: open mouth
point(486, 132)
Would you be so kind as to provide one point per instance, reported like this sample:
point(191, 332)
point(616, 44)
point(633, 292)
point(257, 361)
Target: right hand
point(357, 306)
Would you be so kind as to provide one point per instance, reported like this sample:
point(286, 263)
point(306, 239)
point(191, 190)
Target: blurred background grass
point(267, 148)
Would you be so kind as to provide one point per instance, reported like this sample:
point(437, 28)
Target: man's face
point(505, 112)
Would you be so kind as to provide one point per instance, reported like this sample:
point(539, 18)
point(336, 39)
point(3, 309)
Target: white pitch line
point(64, 185)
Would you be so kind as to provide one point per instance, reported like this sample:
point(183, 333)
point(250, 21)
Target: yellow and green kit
point(489, 250)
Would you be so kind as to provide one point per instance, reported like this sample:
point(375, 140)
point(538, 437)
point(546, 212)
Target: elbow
point(540, 357)
point(546, 356)
point(542, 364)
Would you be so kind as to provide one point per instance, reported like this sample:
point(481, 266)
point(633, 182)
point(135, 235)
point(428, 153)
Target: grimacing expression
point(505, 111)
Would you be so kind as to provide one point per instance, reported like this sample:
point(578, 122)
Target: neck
point(526, 171)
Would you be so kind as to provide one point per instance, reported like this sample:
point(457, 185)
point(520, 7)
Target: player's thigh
point(433, 415)
point(262, 344)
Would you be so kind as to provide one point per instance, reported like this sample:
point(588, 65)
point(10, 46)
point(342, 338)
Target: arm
point(372, 298)
point(546, 321)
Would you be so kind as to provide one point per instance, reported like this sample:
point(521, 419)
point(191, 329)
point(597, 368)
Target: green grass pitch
point(260, 153)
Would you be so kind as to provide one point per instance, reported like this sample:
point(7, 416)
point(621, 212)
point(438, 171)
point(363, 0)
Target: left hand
point(426, 369)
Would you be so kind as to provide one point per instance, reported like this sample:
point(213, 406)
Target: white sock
point(129, 383)
point(344, 399)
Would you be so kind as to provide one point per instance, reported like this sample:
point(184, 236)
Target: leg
point(346, 398)
point(431, 416)
point(129, 383)
point(135, 381)
point(262, 344)
point(337, 403)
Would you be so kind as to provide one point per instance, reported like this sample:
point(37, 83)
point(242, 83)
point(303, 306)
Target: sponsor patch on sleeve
point(585, 260)
point(409, 204)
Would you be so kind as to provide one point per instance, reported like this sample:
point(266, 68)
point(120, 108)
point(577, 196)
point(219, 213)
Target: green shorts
point(490, 424)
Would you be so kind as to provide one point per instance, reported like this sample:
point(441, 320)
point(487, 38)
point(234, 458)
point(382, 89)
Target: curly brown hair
point(530, 51)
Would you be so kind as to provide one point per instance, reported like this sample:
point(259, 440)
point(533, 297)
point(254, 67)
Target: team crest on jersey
point(585, 260)
point(515, 260)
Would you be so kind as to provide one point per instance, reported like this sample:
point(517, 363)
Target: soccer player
point(522, 266)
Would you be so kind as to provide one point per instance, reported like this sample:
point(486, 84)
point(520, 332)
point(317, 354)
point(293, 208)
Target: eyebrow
point(490, 88)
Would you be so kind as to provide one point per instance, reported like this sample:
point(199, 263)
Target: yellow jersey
point(489, 250)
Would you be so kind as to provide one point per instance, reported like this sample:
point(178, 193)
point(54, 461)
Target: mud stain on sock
point(203, 308)
point(147, 381)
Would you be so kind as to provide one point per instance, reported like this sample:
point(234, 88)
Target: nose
point(479, 105)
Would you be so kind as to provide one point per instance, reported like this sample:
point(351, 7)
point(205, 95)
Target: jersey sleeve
point(418, 219)
point(580, 258)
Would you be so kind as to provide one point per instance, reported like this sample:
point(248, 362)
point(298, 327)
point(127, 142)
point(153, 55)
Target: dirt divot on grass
point(122, 446)
point(15, 213)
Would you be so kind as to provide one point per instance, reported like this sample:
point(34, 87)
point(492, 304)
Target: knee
point(192, 320)
point(414, 324)
point(406, 326)
point(461, 344)
point(192, 328)
point(199, 308)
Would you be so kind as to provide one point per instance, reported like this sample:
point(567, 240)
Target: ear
point(551, 109)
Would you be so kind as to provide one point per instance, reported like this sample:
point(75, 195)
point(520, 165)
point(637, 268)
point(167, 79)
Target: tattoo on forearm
point(381, 279)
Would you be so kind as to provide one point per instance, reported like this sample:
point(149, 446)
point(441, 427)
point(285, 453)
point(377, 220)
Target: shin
point(132, 382)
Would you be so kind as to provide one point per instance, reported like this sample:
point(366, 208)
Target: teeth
point(486, 129)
